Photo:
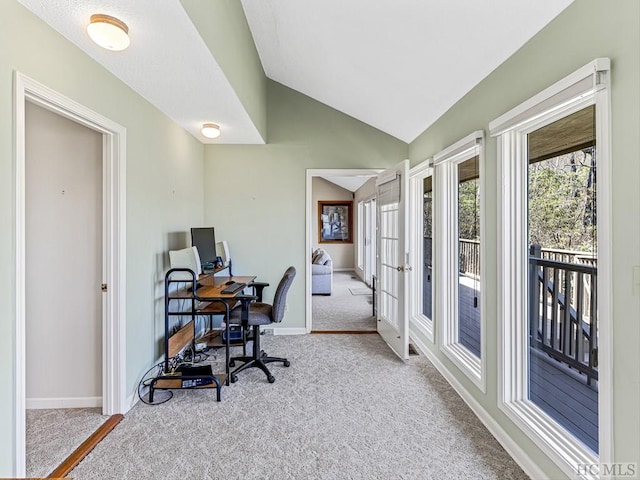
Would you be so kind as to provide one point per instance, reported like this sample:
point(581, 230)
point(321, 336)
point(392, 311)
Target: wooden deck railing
point(469, 263)
point(563, 313)
point(562, 300)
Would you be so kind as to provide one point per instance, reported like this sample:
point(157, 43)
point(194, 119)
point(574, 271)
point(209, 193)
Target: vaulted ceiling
point(396, 65)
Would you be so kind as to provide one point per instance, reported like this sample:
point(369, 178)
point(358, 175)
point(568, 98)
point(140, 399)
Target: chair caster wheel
point(271, 378)
point(287, 363)
point(232, 363)
point(263, 353)
point(234, 378)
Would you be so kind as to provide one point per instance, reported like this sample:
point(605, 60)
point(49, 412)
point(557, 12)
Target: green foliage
point(562, 203)
point(469, 210)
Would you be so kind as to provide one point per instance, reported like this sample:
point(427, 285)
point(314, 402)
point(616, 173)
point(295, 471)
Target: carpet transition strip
point(85, 448)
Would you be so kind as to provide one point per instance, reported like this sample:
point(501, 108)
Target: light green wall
point(164, 190)
point(266, 228)
point(586, 30)
point(224, 28)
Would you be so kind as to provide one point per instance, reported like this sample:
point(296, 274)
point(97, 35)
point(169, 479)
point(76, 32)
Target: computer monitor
point(204, 239)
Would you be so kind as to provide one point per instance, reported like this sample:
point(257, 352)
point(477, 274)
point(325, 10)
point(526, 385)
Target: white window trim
point(418, 320)
point(361, 235)
point(446, 256)
point(587, 86)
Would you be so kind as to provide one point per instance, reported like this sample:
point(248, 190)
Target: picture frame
point(335, 221)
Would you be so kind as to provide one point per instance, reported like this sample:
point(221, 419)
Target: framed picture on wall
point(335, 221)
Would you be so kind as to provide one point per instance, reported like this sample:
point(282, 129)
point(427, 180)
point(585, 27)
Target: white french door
point(393, 257)
point(369, 240)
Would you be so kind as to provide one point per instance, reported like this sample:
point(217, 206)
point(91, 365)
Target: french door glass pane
point(427, 247)
point(563, 320)
point(469, 255)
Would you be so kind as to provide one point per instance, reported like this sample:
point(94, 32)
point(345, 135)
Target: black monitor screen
point(204, 239)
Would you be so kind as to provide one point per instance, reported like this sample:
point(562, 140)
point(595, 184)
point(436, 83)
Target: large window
point(563, 266)
point(458, 274)
point(554, 285)
point(421, 249)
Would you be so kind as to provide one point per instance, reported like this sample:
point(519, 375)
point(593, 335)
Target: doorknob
point(404, 268)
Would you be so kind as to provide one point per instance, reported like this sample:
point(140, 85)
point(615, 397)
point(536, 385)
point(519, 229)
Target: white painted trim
point(114, 168)
point(525, 462)
point(346, 269)
point(71, 402)
point(446, 255)
point(564, 88)
point(459, 147)
point(416, 255)
point(289, 331)
point(559, 445)
point(321, 172)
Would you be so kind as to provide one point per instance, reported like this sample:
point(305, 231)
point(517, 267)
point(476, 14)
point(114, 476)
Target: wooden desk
point(208, 291)
point(211, 287)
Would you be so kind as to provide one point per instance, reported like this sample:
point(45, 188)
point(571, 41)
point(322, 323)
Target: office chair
point(254, 314)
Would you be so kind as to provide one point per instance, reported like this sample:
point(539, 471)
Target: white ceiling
point(167, 63)
point(349, 182)
point(396, 65)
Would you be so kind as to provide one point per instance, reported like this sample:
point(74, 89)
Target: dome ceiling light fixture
point(210, 130)
point(108, 32)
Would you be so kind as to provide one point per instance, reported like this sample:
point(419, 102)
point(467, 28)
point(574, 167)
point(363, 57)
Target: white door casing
point(114, 256)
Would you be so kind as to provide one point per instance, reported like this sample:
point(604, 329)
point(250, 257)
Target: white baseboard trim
point(289, 331)
point(512, 448)
point(350, 269)
point(71, 402)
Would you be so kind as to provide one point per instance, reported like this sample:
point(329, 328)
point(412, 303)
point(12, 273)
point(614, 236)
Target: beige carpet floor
point(346, 408)
point(342, 310)
point(52, 435)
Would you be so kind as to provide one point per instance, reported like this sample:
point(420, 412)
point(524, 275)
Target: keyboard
point(233, 288)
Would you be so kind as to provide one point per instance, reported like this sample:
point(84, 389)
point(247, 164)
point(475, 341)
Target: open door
point(393, 257)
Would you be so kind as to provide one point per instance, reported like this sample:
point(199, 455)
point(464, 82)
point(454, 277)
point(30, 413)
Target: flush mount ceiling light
point(108, 32)
point(210, 130)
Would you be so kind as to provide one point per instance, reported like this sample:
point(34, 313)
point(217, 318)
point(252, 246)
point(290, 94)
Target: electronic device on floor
point(202, 375)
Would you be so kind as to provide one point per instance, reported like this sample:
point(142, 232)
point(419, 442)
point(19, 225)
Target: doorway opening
point(339, 297)
point(113, 251)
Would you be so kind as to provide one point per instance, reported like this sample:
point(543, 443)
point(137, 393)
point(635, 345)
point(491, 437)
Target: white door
point(367, 242)
point(393, 256)
point(63, 240)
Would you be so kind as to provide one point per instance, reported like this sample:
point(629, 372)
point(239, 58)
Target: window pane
point(427, 247)
point(469, 255)
point(563, 330)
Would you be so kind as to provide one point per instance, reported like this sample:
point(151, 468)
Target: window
point(361, 235)
point(553, 252)
point(421, 249)
point(459, 205)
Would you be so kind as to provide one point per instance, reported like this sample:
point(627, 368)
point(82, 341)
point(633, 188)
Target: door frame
point(113, 257)
point(321, 172)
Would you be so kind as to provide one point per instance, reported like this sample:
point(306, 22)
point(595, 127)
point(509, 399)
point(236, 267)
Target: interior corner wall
point(341, 254)
point(224, 29)
point(164, 191)
point(586, 30)
point(255, 194)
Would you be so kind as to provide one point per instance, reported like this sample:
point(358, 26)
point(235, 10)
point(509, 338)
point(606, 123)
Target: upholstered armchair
point(321, 273)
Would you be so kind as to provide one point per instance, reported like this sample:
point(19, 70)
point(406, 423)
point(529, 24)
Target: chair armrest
point(258, 287)
point(245, 300)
